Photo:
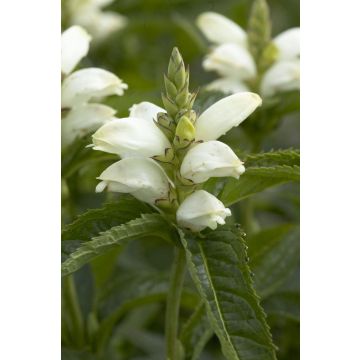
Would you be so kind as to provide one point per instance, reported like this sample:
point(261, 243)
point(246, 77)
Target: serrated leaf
point(195, 333)
point(274, 254)
point(263, 171)
point(218, 266)
point(94, 221)
point(146, 225)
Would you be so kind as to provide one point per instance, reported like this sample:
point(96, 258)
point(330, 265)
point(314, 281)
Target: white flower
point(231, 58)
point(210, 159)
point(201, 210)
point(143, 178)
point(82, 119)
point(86, 84)
point(89, 14)
point(220, 117)
point(131, 136)
point(82, 86)
point(74, 46)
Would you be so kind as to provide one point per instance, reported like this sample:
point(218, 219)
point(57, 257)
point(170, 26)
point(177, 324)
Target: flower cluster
point(90, 15)
point(231, 58)
point(168, 154)
point(79, 88)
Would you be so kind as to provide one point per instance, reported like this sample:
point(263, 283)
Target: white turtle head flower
point(75, 42)
point(210, 159)
point(220, 117)
point(200, 210)
point(131, 136)
point(143, 178)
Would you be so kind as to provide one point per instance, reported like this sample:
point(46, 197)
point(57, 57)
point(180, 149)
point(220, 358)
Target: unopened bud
point(185, 129)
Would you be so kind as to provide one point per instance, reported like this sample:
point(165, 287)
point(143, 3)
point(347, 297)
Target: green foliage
point(95, 221)
point(263, 171)
point(146, 226)
point(196, 333)
point(274, 253)
point(218, 266)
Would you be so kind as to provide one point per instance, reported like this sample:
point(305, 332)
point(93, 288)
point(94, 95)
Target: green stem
point(173, 305)
point(74, 310)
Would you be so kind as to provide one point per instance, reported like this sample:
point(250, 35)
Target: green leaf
point(274, 254)
point(145, 226)
point(263, 171)
point(196, 333)
point(283, 304)
point(94, 221)
point(218, 266)
point(129, 290)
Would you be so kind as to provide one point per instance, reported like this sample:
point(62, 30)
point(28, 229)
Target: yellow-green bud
point(185, 129)
point(269, 55)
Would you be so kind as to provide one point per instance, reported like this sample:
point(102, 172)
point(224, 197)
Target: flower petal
point(231, 60)
point(145, 110)
point(74, 46)
point(82, 120)
point(219, 29)
point(210, 159)
point(288, 44)
point(82, 85)
point(201, 210)
point(227, 86)
point(141, 177)
point(128, 137)
point(282, 76)
point(220, 117)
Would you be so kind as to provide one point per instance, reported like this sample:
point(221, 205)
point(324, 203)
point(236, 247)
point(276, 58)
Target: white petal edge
point(75, 42)
point(231, 60)
point(145, 110)
point(86, 84)
point(219, 29)
point(225, 114)
point(84, 119)
point(288, 44)
point(227, 86)
point(282, 76)
point(211, 159)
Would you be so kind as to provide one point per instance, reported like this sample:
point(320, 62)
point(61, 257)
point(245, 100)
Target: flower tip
point(100, 187)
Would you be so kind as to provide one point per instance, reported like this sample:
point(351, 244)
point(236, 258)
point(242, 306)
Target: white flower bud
point(143, 178)
point(128, 137)
point(210, 159)
point(83, 119)
point(74, 46)
point(288, 44)
point(220, 30)
point(220, 117)
point(145, 110)
point(282, 76)
point(231, 60)
point(201, 210)
point(83, 85)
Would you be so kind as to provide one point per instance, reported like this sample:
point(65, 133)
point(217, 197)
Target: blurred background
point(139, 53)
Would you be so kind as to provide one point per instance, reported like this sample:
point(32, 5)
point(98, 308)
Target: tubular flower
point(89, 14)
point(141, 177)
point(201, 210)
point(82, 86)
point(231, 58)
point(175, 139)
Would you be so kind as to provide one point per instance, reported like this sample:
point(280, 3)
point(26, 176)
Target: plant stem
point(74, 309)
point(173, 305)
